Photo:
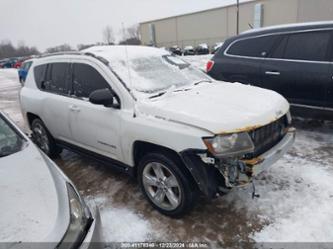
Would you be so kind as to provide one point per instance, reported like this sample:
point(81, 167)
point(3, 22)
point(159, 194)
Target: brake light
point(209, 66)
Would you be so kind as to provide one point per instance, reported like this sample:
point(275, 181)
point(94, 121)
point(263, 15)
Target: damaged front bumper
point(215, 175)
point(266, 160)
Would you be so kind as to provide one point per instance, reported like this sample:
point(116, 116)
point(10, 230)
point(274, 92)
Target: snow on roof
point(290, 25)
point(203, 45)
point(123, 52)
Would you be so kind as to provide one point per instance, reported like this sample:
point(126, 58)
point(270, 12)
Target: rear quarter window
point(309, 46)
point(253, 47)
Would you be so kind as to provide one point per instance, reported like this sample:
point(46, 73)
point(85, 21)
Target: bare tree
point(133, 32)
point(131, 36)
point(60, 48)
point(8, 50)
point(108, 35)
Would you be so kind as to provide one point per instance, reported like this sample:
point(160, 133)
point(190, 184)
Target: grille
point(264, 138)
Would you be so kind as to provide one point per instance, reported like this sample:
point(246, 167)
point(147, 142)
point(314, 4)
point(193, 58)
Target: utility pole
point(237, 22)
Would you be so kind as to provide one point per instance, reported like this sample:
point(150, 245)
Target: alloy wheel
point(41, 138)
point(161, 186)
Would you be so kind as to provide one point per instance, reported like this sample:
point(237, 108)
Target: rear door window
point(57, 78)
point(87, 79)
point(253, 47)
point(279, 48)
point(308, 46)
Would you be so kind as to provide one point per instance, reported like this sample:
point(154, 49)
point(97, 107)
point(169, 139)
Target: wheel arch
point(142, 148)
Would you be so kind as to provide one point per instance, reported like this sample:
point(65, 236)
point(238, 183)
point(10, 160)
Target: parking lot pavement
point(295, 204)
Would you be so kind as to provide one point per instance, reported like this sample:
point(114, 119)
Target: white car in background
point(39, 204)
point(153, 115)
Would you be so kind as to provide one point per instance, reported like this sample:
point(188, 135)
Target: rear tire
point(43, 139)
point(165, 184)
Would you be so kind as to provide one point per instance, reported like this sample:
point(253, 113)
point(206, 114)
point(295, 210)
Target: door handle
point(276, 73)
point(74, 108)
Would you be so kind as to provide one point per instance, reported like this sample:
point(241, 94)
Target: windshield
point(10, 141)
point(156, 73)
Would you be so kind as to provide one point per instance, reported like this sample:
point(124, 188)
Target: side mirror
point(104, 97)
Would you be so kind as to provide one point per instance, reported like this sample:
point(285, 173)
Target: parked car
point(189, 50)
point(216, 47)
point(202, 49)
point(294, 60)
point(2, 62)
point(176, 50)
point(154, 116)
point(17, 64)
point(38, 202)
point(24, 69)
point(9, 63)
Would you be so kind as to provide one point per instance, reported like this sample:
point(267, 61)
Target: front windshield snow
point(153, 74)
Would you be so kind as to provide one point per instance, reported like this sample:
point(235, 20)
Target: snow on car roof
point(203, 45)
point(121, 52)
point(291, 25)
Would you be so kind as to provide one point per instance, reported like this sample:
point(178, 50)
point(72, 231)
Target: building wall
point(216, 25)
point(315, 10)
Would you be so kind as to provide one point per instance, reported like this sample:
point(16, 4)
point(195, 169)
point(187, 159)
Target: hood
point(218, 107)
point(30, 199)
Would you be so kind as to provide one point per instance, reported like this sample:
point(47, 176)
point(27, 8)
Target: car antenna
point(127, 59)
point(127, 64)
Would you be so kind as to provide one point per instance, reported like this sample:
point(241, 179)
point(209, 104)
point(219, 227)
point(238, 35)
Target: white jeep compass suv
point(153, 115)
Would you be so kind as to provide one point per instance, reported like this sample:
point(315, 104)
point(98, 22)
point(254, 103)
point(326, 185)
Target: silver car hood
point(34, 205)
point(218, 107)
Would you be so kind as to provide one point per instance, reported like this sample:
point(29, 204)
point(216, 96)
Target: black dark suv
point(294, 60)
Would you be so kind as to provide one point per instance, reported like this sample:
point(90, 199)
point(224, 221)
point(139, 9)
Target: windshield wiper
point(157, 95)
point(202, 81)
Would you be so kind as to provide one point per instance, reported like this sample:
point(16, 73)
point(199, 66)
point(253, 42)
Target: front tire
point(43, 139)
point(165, 184)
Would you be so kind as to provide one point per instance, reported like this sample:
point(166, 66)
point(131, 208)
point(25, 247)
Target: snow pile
point(302, 212)
point(122, 224)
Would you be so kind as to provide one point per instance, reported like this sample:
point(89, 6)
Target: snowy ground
point(295, 204)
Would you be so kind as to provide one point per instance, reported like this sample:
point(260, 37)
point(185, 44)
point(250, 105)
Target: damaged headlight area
point(235, 144)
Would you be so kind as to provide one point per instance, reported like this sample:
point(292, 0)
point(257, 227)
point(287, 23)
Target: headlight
point(230, 145)
point(79, 220)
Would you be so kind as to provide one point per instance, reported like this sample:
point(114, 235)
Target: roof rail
point(100, 58)
point(60, 53)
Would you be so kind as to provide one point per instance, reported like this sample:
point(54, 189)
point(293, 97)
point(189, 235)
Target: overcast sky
point(46, 23)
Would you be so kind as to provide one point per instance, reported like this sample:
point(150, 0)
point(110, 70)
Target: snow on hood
point(29, 201)
point(219, 107)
